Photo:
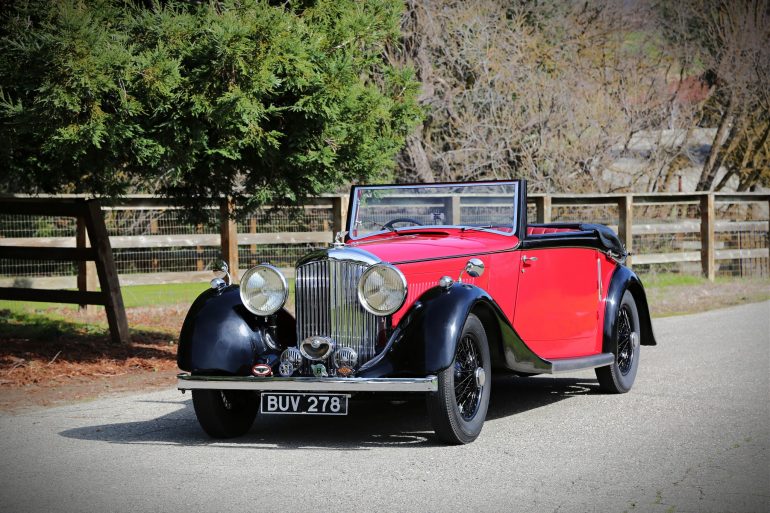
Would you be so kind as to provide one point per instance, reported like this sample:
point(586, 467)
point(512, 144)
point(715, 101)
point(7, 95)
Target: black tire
point(225, 413)
point(458, 408)
point(619, 377)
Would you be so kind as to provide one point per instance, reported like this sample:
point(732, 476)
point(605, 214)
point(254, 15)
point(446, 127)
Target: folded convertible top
point(592, 235)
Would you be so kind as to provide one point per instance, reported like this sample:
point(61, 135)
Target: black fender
point(426, 338)
point(624, 279)
point(220, 336)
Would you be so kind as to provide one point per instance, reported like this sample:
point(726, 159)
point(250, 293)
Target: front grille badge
point(319, 370)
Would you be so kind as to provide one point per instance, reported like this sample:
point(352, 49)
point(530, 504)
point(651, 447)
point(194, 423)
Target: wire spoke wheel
point(625, 356)
point(459, 406)
point(467, 389)
point(619, 377)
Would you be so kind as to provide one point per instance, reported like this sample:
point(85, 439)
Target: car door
point(557, 302)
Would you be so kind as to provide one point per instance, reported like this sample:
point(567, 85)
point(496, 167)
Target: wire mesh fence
point(673, 232)
point(152, 240)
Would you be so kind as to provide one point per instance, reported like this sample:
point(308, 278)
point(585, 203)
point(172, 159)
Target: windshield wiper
point(480, 228)
point(389, 228)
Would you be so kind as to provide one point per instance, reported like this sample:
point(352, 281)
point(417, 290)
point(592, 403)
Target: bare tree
point(554, 93)
point(729, 43)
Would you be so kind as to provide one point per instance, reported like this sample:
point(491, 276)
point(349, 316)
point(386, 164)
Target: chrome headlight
point(382, 289)
point(263, 289)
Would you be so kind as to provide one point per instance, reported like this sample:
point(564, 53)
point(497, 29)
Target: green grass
point(133, 296)
point(50, 325)
point(671, 280)
point(664, 280)
point(169, 294)
point(24, 325)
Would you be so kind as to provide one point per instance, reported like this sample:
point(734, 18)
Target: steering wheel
point(389, 224)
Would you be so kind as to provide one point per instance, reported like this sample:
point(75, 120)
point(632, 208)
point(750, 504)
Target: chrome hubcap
point(481, 377)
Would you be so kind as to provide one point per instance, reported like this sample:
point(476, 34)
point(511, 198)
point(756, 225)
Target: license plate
point(304, 404)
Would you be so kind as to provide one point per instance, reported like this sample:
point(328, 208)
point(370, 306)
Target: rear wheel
point(225, 413)
point(458, 408)
point(619, 377)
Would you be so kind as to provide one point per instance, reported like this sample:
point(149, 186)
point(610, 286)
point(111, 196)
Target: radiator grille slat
point(327, 305)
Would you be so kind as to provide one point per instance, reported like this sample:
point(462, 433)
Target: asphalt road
point(692, 435)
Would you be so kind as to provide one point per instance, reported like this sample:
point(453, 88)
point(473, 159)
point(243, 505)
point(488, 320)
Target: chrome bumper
point(274, 384)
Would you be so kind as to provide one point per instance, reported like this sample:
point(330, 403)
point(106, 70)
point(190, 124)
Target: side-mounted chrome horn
point(222, 273)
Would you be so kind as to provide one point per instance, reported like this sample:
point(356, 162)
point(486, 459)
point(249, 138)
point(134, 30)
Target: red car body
point(433, 307)
point(560, 310)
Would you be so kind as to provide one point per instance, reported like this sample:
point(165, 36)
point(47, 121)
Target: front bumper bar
point(275, 384)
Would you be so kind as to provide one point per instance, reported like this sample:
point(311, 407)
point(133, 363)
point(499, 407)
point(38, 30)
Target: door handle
point(526, 259)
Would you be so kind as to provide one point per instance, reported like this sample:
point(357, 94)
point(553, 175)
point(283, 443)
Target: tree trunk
point(751, 153)
point(716, 155)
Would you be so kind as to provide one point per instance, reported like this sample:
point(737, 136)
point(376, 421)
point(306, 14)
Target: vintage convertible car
point(432, 289)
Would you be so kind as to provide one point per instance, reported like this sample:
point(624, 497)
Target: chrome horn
point(224, 279)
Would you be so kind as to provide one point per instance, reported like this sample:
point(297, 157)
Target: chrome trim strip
point(599, 274)
point(464, 255)
point(355, 254)
point(344, 253)
point(188, 382)
point(582, 362)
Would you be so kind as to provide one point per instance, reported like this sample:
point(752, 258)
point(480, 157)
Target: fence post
point(452, 209)
point(200, 265)
point(228, 233)
point(155, 262)
point(253, 247)
point(108, 273)
point(707, 254)
point(626, 222)
point(543, 209)
point(339, 214)
point(86, 268)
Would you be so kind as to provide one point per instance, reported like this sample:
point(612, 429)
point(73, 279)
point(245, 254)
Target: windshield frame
point(516, 197)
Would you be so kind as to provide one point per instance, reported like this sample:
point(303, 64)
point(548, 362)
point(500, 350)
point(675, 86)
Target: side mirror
point(474, 268)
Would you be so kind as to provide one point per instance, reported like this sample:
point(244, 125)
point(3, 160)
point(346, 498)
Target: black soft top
point(591, 235)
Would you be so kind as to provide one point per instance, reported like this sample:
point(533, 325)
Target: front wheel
point(619, 377)
point(458, 408)
point(225, 413)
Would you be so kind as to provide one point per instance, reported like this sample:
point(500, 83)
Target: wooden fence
point(626, 229)
point(229, 238)
point(90, 227)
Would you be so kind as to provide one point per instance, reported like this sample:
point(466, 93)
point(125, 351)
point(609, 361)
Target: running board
point(580, 363)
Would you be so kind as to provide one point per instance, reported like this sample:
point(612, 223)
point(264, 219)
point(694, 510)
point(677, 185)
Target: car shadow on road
point(370, 423)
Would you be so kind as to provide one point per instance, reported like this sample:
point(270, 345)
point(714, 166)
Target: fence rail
point(694, 231)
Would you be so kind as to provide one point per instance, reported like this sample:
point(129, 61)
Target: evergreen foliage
point(268, 102)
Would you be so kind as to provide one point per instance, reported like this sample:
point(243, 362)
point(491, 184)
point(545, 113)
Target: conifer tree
point(265, 101)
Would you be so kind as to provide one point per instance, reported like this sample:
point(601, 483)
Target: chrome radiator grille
point(327, 305)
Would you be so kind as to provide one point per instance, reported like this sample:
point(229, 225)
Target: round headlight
point(263, 289)
point(382, 289)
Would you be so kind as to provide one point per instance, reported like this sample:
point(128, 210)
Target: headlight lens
point(263, 289)
point(382, 289)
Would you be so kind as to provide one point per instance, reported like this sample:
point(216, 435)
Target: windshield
point(392, 208)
